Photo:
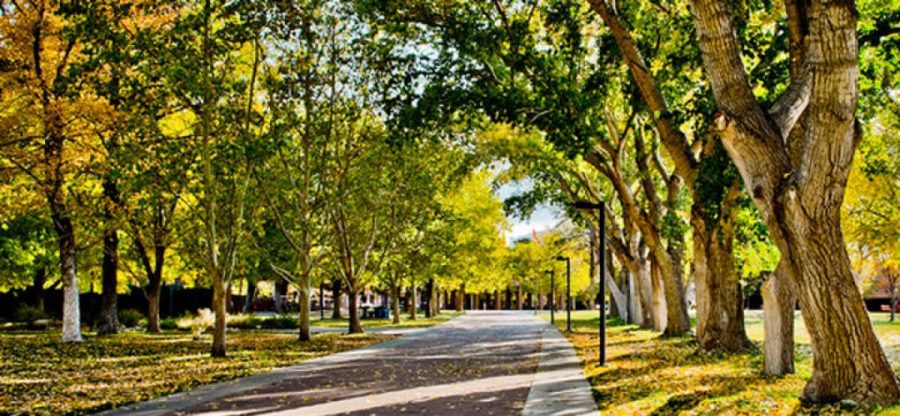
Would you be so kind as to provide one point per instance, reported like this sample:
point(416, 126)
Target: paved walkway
point(484, 363)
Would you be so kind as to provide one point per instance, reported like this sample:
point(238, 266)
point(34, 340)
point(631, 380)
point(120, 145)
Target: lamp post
point(552, 305)
point(568, 291)
point(601, 295)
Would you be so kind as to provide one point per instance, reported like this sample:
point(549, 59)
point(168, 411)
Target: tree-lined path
point(490, 363)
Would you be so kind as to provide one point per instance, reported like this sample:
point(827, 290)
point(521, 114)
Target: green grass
point(647, 374)
point(39, 375)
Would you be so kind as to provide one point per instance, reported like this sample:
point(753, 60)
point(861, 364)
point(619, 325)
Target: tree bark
point(798, 186)
point(251, 295)
point(778, 320)
point(720, 323)
point(355, 326)
point(304, 334)
point(461, 297)
point(336, 299)
point(71, 311)
point(519, 299)
point(659, 298)
point(412, 303)
point(152, 296)
point(429, 298)
point(37, 288)
point(218, 345)
point(109, 319)
point(395, 302)
point(498, 301)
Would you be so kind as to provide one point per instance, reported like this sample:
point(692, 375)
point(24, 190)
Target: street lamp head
point(586, 205)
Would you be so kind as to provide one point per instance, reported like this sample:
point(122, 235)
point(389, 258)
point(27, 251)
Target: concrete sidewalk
point(498, 363)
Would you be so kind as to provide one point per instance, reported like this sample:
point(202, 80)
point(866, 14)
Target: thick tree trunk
point(658, 308)
point(677, 320)
point(109, 319)
point(646, 287)
point(461, 297)
point(798, 184)
point(635, 311)
point(152, 296)
point(395, 302)
point(498, 301)
point(848, 361)
point(519, 297)
point(336, 299)
point(778, 320)
point(219, 298)
point(355, 326)
point(304, 334)
point(71, 331)
point(720, 323)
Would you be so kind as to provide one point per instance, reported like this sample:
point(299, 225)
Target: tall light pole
point(601, 293)
point(552, 295)
point(568, 292)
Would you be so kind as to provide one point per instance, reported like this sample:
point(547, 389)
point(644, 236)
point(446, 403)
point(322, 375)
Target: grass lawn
point(420, 322)
point(39, 375)
point(646, 374)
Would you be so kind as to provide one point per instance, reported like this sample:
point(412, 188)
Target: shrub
point(168, 323)
point(130, 318)
point(249, 321)
point(28, 314)
point(280, 322)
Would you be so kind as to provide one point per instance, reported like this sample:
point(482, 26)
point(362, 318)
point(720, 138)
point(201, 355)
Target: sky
point(543, 218)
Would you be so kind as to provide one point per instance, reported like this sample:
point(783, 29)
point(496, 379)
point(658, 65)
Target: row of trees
point(327, 138)
point(213, 141)
point(732, 123)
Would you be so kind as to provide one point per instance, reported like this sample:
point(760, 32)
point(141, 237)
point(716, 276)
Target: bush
point(28, 314)
point(130, 318)
point(280, 322)
point(168, 323)
point(249, 321)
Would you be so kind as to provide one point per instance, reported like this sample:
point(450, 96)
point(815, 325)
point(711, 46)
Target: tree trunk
point(304, 334)
point(720, 323)
point(429, 298)
point(778, 321)
point(395, 302)
point(848, 360)
point(658, 308)
point(498, 301)
point(355, 326)
point(152, 296)
point(37, 288)
point(519, 297)
point(109, 319)
point(635, 311)
point(219, 297)
point(798, 184)
point(251, 294)
point(229, 302)
point(336, 299)
point(412, 303)
point(71, 331)
point(677, 320)
point(460, 297)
